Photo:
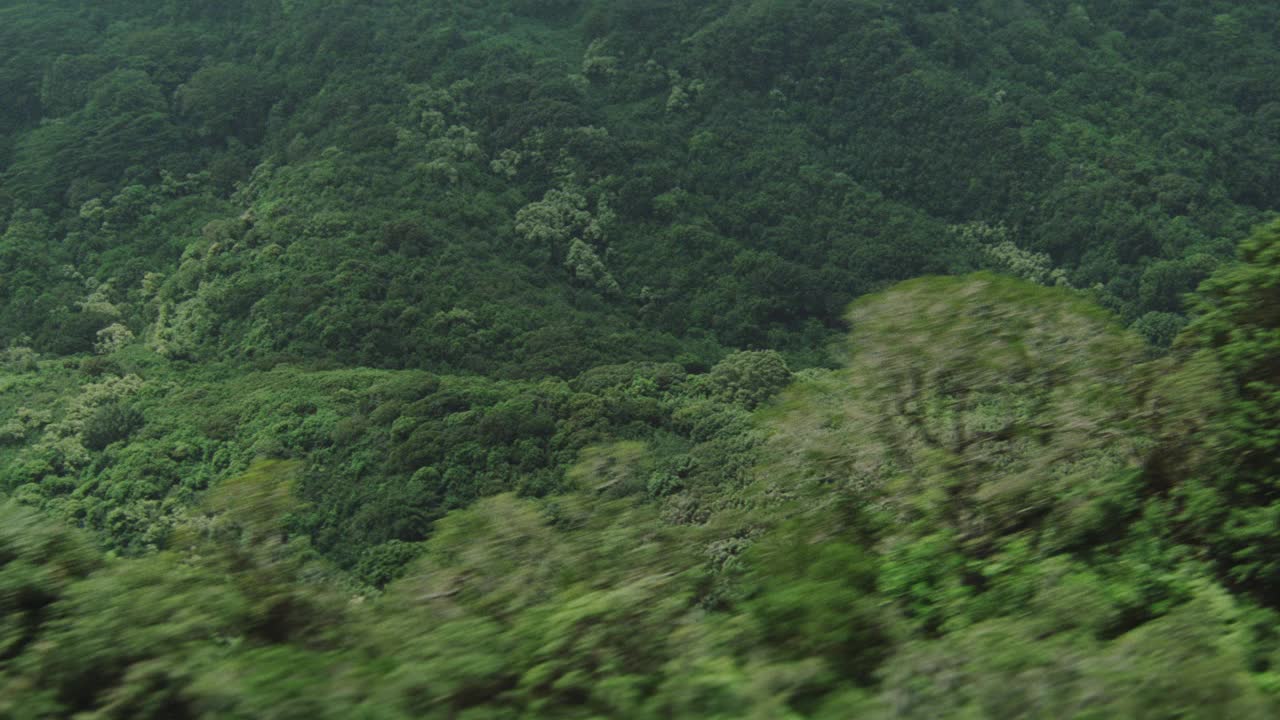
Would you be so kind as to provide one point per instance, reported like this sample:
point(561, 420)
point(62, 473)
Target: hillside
point(646, 358)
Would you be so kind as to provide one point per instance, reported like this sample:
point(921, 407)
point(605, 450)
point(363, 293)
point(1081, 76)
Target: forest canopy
point(639, 358)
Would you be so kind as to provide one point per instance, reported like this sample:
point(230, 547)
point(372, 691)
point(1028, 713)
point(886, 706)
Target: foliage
point(875, 554)
point(1235, 331)
point(494, 359)
point(592, 193)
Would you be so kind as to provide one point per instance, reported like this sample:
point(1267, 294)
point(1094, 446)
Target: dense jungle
point(735, 359)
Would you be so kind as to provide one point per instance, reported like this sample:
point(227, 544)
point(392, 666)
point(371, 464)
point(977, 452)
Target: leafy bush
point(111, 422)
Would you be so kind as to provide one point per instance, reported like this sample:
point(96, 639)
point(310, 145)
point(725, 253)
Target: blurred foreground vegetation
point(996, 508)
point(495, 359)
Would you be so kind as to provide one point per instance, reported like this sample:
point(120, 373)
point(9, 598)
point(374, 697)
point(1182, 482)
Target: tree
point(977, 414)
point(226, 100)
point(749, 378)
point(1232, 496)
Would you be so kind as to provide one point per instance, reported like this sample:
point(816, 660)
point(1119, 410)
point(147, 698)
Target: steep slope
point(649, 178)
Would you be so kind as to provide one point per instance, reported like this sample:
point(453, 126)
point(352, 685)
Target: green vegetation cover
point(639, 359)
